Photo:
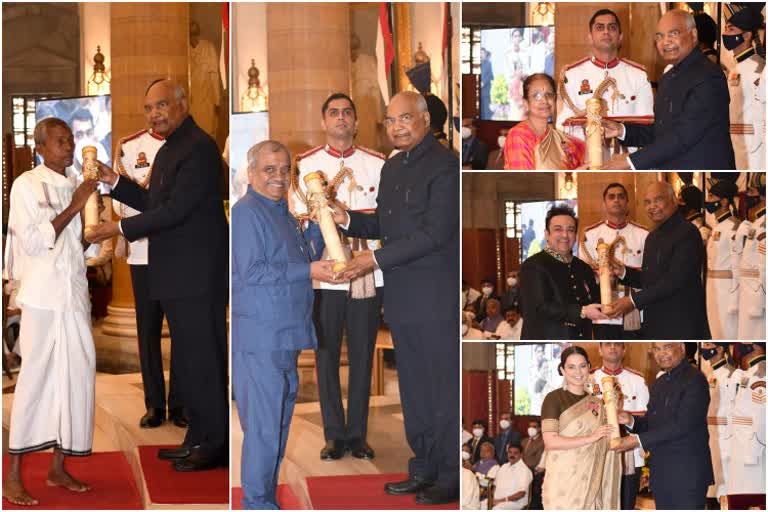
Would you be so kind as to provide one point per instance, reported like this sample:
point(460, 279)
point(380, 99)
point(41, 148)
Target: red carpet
point(285, 498)
point(166, 486)
point(362, 492)
point(108, 474)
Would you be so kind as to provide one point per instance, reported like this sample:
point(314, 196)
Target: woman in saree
point(534, 143)
point(581, 473)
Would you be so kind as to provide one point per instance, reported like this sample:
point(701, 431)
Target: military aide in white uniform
point(721, 401)
point(54, 398)
point(636, 398)
point(750, 250)
point(746, 89)
point(722, 281)
point(353, 175)
point(746, 471)
point(630, 100)
point(134, 159)
point(630, 253)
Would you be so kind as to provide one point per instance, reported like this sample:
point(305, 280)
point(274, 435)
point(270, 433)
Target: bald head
point(676, 36)
point(407, 120)
point(165, 106)
point(660, 201)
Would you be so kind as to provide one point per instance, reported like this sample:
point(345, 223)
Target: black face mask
point(708, 353)
point(712, 206)
point(731, 42)
point(752, 201)
point(747, 349)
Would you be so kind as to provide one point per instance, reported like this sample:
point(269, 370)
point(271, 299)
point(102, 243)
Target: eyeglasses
point(538, 96)
point(672, 34)
point(406, 119)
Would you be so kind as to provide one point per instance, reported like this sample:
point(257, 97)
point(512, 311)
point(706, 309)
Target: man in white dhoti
point(54, 399)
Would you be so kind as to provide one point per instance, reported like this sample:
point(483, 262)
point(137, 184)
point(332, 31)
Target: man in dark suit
point(183, 217)
point(675, 430)
point(417, 221)
point(558, 292)
point(505, 436)
point(691, 123)
point(474, 152)
point(671, 294)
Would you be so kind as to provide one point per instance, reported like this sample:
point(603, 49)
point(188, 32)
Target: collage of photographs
point(366, 255)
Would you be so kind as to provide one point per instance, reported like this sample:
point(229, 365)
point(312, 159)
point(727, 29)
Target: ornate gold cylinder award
point(91, 172)
point(611, 399)
point(315, 182)
point(594, 133)
point(604, 268)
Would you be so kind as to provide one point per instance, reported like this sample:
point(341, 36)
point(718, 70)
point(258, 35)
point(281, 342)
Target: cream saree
point(586, 478)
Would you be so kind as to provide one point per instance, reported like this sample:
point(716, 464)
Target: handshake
point(625, 443)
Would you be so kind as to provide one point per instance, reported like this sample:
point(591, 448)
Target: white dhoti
point(54, 399)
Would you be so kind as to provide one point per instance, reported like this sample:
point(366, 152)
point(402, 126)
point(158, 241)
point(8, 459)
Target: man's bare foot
point(64, 479)
point(14, 492)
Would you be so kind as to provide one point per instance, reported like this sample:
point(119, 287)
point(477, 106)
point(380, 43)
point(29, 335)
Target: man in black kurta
point(558, 292)
point(417, 221)
point(671, 294)
point(182, 214)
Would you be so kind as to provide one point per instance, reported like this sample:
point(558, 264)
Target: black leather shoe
point(178, 418)
point(153, 418)
point(198, 461)
point(361, 449)
point(410, 486)
point(182, 452)
point(333, 450)
point(435, 495)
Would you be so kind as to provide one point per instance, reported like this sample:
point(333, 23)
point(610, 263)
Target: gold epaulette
point(308, 153)
point(633, 64)
point(371, 152)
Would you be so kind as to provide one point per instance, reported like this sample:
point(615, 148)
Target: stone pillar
point(149, 41)
point(403, 33)
point(309, 59)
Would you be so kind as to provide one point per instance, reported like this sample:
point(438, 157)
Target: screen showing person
point(507, 57)
point(533, 223)
point(536, 375)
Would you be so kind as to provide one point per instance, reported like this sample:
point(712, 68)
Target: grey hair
point(178, 91)
point(421, 102)
point(41, 129)
point(669, 190)
point(271, 145)
point(690, 21)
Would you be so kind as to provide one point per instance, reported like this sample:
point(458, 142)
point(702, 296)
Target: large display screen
point(536, 375)
point(507, 57)
point(533, 218)
point(89, 117)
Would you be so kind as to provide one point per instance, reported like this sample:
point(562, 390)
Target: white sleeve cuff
point(629, 161)
point(120, 227)
point(638, 441)
point(48, 233)
point(345, 226)
point(620, 137)
point(116, 182)
point(373, 255)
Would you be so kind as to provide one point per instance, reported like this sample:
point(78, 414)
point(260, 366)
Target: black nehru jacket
point(675, 430)
point(671, 293)
point(552, 294)
point(691, 123)
point(183, 216)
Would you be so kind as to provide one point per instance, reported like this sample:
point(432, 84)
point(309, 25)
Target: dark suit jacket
point(476, 155)
point(417, 221)
point(504, 439)
point(474, 445)
point(183, 216)
point(671, 292)
point(691, 123)
point(675, 431)
point(552, 295)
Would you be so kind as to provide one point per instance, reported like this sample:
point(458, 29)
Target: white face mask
point(487, 290)
point(464, 329)
point(504, 424)
point(478, 432)
point(465, 132)
point(511, 281)
point(501, 140)
point(465, 455)
point(532, 432)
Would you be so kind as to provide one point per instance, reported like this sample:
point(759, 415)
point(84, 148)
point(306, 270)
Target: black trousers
point(629, 487)
point(427, 365)
point(672, 497)
point(335, 313)
point(149, 326)
point(538, 482)
point(614, 332)
point(199, 348)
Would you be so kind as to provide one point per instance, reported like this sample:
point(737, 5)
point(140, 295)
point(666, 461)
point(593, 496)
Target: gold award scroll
point(91, 172)
point(611, 400)
point(594, 133)
point(604, 269)
point(315, 182)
